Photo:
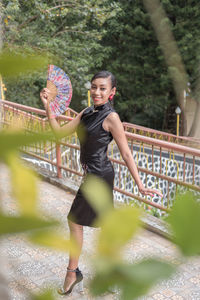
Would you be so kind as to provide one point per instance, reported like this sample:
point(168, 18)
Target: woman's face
point(100, 90)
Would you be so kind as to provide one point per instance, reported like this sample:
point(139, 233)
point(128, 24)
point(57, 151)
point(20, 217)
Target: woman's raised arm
point(59, 131)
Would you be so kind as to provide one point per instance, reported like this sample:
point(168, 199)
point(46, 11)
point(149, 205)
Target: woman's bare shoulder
point(113, 122)
point(113, 117)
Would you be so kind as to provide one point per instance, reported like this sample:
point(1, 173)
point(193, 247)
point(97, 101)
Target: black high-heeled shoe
point(79, 277)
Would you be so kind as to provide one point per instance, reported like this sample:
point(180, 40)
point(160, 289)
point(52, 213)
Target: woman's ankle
point(72, 269)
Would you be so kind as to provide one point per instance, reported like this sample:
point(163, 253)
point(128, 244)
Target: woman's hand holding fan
point(58, 92)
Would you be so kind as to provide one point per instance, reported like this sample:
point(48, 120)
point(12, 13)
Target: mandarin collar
point(101, 107)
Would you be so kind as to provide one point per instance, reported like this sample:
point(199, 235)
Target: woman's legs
point(76, 233)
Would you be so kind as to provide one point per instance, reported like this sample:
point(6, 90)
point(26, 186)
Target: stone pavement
point(29, 267)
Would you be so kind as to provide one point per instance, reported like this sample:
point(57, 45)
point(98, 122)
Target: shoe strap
point(73, 270)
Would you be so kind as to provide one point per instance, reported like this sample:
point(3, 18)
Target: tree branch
point(27, 21)
point(43, 11)
point(59, 6)
point(69, 30)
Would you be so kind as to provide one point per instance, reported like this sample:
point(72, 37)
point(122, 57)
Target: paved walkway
point(34, 268)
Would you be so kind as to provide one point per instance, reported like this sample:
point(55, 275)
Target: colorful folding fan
point(60, 88)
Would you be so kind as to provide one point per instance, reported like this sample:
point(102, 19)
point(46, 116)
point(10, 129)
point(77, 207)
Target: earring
point(111, 97)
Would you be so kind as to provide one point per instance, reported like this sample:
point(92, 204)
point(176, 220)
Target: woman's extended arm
point(114, 125)
point(59, 131)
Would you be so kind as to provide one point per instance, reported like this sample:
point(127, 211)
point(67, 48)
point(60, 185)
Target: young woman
point(101, 124)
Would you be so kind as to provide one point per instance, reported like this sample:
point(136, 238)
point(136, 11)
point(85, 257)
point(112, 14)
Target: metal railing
point(163, 165)
point(160, 135)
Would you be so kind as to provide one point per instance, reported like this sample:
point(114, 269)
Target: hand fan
point(60, 88)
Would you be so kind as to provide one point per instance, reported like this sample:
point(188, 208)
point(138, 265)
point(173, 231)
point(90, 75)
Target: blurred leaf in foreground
point(24, 186)
point(117, 228)
point(133, 280)
point(47, 295)
point(12, 65)
point(185, 223)
point(98, 194)
point(10, 141)
point(53, 240)
point(15, 224)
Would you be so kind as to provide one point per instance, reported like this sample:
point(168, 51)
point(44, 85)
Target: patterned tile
point(176, 281)
point(195, 280)
point(168, 293)
point(177, 297)
point(194, 295)
point(32, 268)
point(158, 296)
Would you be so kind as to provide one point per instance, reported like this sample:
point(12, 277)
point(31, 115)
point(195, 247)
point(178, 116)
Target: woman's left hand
point(149, 192)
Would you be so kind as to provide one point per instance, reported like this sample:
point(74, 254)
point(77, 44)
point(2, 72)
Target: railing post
point(43, 130)
point(58, 160)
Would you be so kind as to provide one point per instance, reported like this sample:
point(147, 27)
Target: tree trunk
point(195, 128)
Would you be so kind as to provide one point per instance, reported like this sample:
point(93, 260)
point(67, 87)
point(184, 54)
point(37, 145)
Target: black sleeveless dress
point(94, 142)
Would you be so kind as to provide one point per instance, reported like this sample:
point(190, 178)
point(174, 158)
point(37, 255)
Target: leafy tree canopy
point(144, 85)
point(83, 37)
point(61, 29)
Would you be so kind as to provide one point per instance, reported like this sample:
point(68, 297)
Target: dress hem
point(90, 225)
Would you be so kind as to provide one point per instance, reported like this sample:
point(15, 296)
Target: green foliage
point(53, 239)
point(18, 64)
point(11, 141)
point(137, 61)
point(26, 89)
point(185, 223)
point(98, 193)
point(83, 37)
point(23, 180)
point(145, 89)
point(24, 183)
point(65, 31)
point(23, 74)
point(117, 228)
point(18, 224)
point(133, 280)
point(47, 295)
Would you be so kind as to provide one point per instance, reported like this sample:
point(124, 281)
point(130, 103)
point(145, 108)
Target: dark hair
point(105, 74)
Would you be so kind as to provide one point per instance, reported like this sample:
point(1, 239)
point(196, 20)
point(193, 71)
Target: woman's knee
point(75, 227)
